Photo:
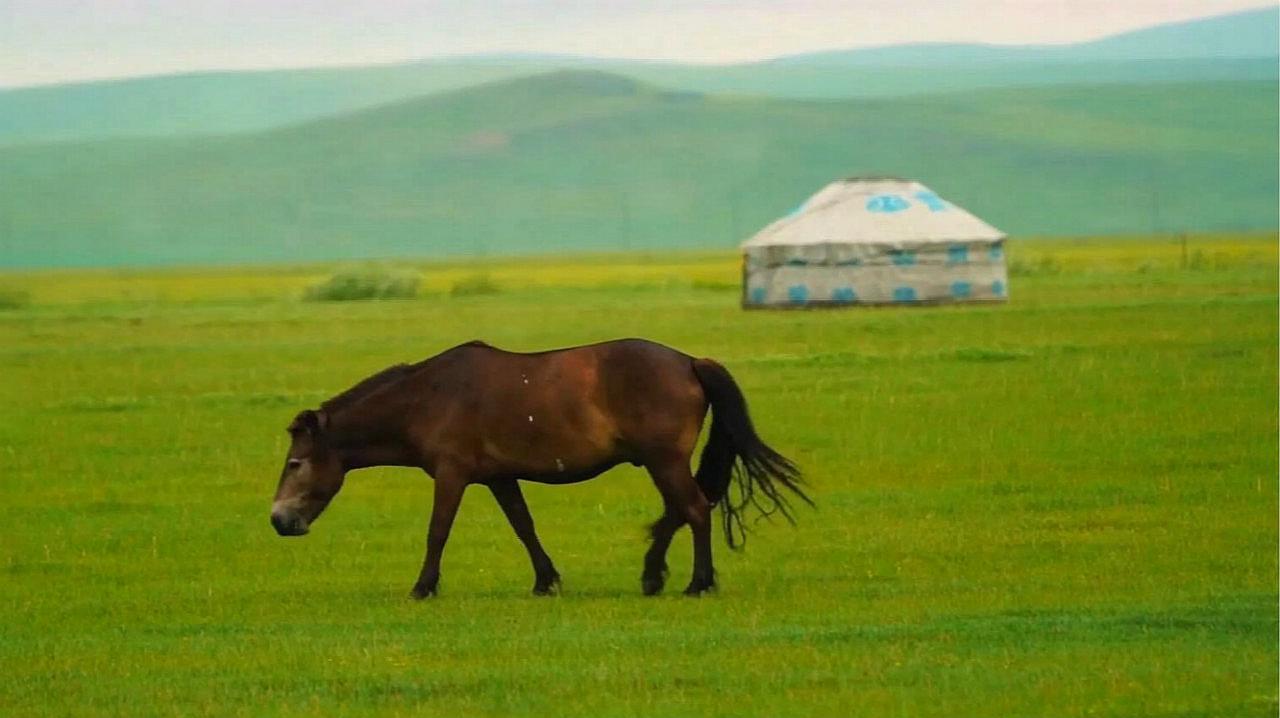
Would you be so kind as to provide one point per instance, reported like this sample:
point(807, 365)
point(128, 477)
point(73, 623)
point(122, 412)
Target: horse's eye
point(293, 463)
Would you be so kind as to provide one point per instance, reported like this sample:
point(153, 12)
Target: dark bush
point(14, 298)
point(365, 283)
point(474, 285)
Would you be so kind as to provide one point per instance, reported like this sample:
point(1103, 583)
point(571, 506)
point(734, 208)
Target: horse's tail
point(736, 456)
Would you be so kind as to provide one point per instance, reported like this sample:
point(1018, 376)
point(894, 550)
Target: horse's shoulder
point(462, 350)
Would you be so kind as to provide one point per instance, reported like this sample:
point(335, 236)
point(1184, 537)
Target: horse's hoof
point(420, 592)
point(654, 579)
point(547, 588)
point(696, 590)
point(652, 585)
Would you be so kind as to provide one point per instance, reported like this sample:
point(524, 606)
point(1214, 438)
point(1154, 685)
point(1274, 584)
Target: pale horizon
point(45, 42)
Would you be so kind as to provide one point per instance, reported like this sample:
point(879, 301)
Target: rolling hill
point(591, 161)
point(1240, 47)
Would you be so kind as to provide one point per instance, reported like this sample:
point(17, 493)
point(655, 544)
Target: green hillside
point(588, 161)
point(218, 103)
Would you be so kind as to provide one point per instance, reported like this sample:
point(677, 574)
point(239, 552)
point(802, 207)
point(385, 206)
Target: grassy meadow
point(1062, 506)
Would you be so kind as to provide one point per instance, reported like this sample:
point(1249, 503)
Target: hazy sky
point(44, 41)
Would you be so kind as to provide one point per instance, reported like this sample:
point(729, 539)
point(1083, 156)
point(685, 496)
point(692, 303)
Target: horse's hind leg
point(685, 499)
point(511, 499)
point(655, 559)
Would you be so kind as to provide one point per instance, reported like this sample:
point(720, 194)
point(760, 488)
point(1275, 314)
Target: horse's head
point(311, 477)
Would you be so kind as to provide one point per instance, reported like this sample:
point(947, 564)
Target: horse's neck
point(370, 433)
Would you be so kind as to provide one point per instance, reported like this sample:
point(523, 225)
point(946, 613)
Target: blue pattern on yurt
point(961, 290)
point(758, 294)
point(903, 257)
point(843, 294)
point(904, 294)
point(932, 201)
point(995, 252)
point(887, 203)
point(957, 254)
point(997, 288)
point(798, 293)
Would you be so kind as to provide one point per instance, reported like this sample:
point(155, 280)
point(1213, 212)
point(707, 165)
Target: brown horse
point(479, 415)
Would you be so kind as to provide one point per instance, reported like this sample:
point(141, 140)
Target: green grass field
point(1063, 506)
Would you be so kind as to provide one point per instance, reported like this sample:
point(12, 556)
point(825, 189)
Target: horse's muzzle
point(288, 522)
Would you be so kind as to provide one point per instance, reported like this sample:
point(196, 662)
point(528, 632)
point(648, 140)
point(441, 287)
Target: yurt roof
point(875, 210)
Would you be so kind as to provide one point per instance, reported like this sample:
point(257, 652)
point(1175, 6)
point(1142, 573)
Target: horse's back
point(616, 401)
point(622, 377)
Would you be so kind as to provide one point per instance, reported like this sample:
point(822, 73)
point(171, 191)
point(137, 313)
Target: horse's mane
point(368, 386)
point(384, 378)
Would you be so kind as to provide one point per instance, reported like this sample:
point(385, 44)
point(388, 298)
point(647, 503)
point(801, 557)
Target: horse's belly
point(568, 476)
point(550, 464)
point(552, 469)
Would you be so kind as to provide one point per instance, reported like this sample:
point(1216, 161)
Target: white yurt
point(873, 240)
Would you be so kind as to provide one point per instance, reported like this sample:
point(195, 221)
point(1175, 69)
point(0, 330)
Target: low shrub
point(1045, 266)
point(14, 298)
point(356, 283)
point(713, 285)
point(473, 285)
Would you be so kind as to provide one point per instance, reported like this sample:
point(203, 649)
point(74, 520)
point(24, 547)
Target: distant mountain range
point(1242, 35)
point(1238, 47)
point(587, 160)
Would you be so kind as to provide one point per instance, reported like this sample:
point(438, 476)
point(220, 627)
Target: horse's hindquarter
point(654, 396)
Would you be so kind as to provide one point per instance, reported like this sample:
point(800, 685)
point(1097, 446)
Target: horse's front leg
point(511, 499)
point(448, 495)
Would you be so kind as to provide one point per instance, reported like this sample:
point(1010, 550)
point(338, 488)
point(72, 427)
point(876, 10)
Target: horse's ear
point(310, 421)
